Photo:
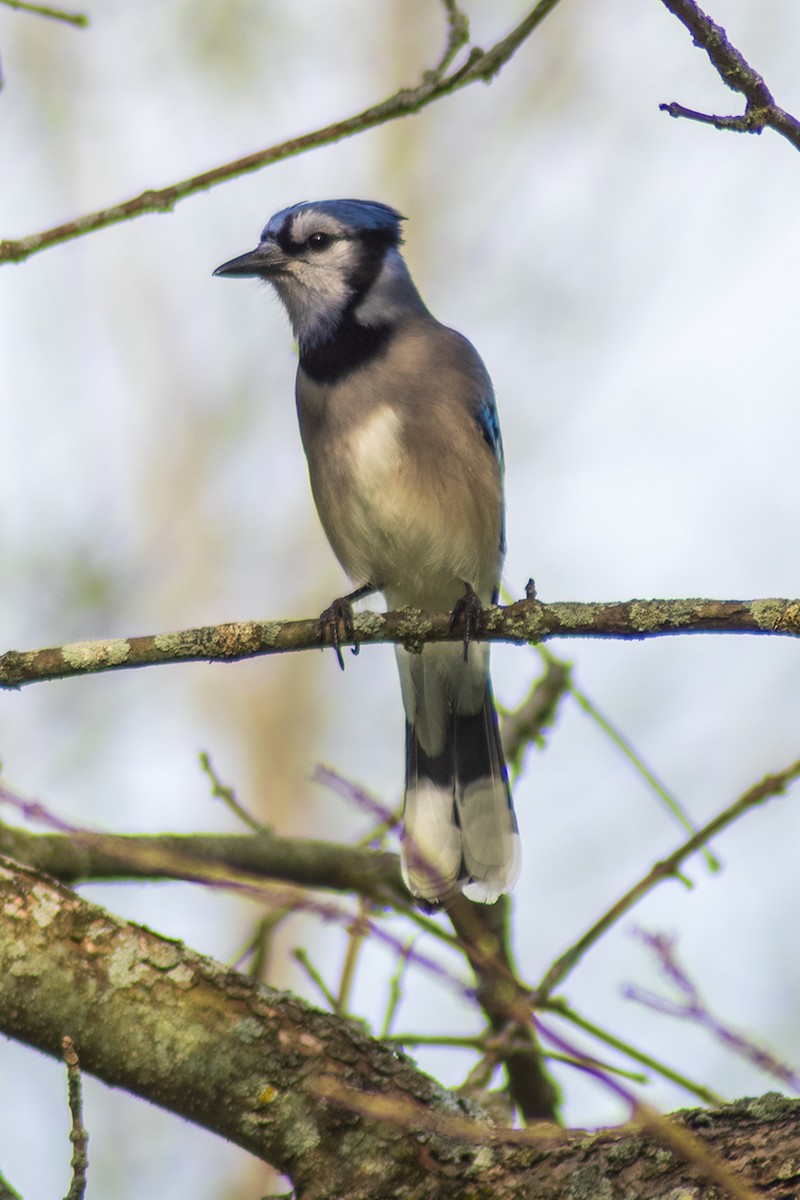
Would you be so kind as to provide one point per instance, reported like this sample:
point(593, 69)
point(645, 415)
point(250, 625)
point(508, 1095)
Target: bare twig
point(618, 738)
point(526, 724)
point(396, 989)
point(303, 959)
point(525, 621)
point(761, 111)
point(44, 10)
point(692, 1007)
point(78, 1135)
point(436, 83)
point(227, 795)
point(680, 1140)
point(705, 1094)
point(769, 787)
point(356, 935)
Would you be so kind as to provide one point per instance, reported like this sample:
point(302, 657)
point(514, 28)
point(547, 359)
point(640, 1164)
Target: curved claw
point(470, 607)
point(339, 612)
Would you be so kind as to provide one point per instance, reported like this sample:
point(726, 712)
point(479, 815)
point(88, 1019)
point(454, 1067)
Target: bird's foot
point(470, 608)
point(338, 615)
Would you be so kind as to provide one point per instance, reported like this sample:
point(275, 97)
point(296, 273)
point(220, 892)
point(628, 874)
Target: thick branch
point(761, 111)
point(525, 621)
point(484, 933)
point(243, 1060)
point(436, 83)
point(261, 1068)
point(81, 856)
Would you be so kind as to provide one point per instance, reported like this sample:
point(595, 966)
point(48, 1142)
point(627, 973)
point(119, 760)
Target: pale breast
point(416, 531)
point(407, 488)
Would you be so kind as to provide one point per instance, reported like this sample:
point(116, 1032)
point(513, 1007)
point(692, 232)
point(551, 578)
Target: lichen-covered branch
point(482, 932)
point(526, 621)
point(243, 1060)
point(261, 1068)
point(761, 111)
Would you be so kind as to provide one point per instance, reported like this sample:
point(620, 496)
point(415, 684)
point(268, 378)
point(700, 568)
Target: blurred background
point(631, 282)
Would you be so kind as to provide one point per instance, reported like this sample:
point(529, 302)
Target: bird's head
point(324, 259)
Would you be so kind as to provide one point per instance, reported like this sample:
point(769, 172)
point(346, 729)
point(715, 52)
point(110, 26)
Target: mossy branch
point(526, 621)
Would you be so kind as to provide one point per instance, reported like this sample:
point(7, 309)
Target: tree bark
point(523, 621)
point(338, 1112)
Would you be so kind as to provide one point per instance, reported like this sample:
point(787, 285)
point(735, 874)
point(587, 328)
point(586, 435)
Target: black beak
point(266, 260)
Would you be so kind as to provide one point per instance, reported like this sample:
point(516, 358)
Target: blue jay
point(400, 429)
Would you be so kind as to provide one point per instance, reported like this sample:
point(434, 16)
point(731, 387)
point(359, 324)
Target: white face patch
point(315, 287)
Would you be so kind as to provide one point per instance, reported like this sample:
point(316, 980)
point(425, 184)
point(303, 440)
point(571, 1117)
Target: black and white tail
point(459, 828)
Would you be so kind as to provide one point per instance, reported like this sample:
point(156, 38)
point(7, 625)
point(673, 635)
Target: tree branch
point(262, 1068)
point(524, 621)
point(241, 861)
point(240, 1059)
point(482, 932)
point(435, 83)
point(761, 111)
point(81, 856)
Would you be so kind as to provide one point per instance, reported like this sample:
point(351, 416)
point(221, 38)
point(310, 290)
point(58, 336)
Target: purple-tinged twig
point(691, 1007)
point(761, 111)
point(677, 1137)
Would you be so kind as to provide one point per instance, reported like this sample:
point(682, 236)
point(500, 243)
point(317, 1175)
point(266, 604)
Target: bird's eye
point(319, 241)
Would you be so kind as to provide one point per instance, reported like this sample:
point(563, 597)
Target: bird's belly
point(411, 536)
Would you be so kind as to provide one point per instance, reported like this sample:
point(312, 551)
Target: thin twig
point(525, 725)
point(301, 957)
point(356, 935)
point(396, 989)
point(694, 1009)
point(227, 795)
point(651, 779)
point(761, 111)
point(703, 1093)
point(767, 789)
point(78, 1135)
point(435, 84)
point(44, 10)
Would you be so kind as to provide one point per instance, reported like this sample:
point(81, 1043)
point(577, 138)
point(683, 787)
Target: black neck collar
point(350, 346)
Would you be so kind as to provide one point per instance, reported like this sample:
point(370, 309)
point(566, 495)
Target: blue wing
point(489, 425)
